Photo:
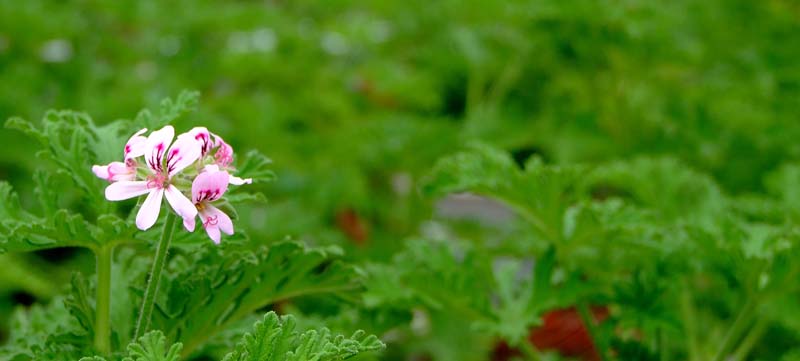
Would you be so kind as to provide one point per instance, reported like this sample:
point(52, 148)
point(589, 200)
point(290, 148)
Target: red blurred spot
point(563, 331)
point(352, 225)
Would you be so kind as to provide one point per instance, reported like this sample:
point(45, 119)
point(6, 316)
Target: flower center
point(157, 180)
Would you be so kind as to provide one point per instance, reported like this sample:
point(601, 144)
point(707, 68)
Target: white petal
point(148, 213)
point(223, 221)
point(135, 146)
point(182, 206)
point(156, 147)
point(125, 190)
point(185, 151)
point(232, 179)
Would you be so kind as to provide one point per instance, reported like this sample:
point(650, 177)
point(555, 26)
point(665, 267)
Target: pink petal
point(101, 171)
point(148, 213)
point(223, 221)
point(189, 223)
point(215, 220)
point(209, 186)
point(156, 146)
point(125, 190)
point(224, 154)
point(213, 233)
point(239, 181)
point(136, 145)
point(203, 137)
point(185, 151)
point(182, 206)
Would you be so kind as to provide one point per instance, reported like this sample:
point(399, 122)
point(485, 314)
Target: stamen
point(157, 180)
point(210, 221)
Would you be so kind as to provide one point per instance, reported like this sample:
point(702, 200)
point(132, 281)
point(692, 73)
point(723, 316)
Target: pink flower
point(164, 160)
point(222, 157)
point(209, 186)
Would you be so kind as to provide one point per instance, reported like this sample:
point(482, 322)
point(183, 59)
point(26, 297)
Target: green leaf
point(70, 141)
point(62, 229)
point(9, 204)
point(169, 110)
point(153, 347)
point(221, 285)
point(80, 303)
point(255, 165)
point(275, 339)
point(540, 193)
point(45, 333)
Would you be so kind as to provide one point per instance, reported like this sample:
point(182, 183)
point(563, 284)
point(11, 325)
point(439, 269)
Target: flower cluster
point(191, 173)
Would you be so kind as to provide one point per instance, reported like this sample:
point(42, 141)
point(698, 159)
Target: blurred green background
point(355, 100)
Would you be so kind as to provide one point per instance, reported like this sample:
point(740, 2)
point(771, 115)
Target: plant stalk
point(755, 334)
point(102, 326)
point(689, 322)
point(148, 301)
point(740, 325)
point(589, 322)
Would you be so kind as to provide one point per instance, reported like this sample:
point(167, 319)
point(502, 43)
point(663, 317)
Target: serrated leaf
point(44, 333)
point(540, 193)
point(275, 339)
point(254, 165)
point(225, 284)
point(153, 347)
point(80, 303)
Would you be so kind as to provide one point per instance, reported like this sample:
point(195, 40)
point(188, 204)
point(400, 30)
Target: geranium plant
point(205, 293)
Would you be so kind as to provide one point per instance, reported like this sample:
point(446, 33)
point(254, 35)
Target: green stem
point(753, 336)
point(591, 326)
point(743, 320)
point(529, 351)
point(102, 327)
point(148, 301)
point(690, 322)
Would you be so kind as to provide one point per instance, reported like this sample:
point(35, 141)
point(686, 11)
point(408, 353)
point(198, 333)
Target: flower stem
point(102, 327)
point(155, 276)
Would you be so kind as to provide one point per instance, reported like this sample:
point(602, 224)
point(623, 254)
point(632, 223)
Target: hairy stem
point(148, 301)
point(102, 327)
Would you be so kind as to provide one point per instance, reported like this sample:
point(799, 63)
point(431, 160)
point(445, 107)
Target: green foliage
point(275, 339)
point(152, 347)
point(219, 286)
point(639, 157)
